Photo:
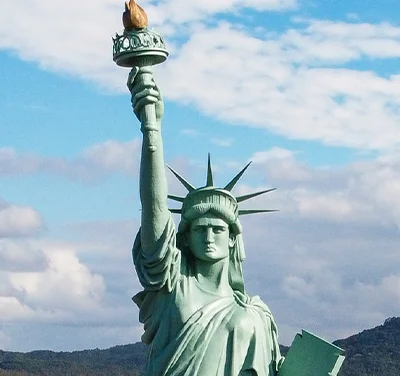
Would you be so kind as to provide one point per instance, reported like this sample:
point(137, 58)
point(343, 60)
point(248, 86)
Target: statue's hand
point(144, 91)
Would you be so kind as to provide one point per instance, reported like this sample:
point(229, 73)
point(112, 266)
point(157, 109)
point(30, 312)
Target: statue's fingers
point(147, 92)
point(159, 92)
point(142, 86)
point(137, 106)
point(131, 77)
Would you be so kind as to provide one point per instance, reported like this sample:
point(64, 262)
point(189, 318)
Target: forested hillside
point(373, 352)
point(127, 360)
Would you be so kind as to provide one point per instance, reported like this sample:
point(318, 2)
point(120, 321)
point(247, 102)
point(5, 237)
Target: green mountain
point(127, 360)
point(373, 352)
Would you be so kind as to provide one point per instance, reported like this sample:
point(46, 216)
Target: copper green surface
point(197, 317)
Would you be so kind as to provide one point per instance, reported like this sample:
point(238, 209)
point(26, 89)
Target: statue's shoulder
point(254, 302)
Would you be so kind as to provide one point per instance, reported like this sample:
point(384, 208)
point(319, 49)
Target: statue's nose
point(209, 235)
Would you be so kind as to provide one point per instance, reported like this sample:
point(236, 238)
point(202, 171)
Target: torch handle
point(148, 116)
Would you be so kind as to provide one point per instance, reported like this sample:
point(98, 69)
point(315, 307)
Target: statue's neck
point(214, 276)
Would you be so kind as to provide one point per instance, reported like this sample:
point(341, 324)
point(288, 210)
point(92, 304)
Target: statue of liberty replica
point(197, 316)
point(198, 319)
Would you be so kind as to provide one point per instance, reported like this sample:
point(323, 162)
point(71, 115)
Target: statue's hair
point(236, 254)
point(219, 211)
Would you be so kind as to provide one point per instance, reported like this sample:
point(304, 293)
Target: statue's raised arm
point(153, 183)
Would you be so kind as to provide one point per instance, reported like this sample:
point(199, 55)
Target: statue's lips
point(210, 248)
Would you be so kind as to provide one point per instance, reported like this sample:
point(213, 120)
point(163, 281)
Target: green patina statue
point(198, 319)
point(197, 316)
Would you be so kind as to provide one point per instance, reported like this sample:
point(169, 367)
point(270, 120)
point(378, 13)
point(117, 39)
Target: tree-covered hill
point(127, 360)
point(373, 352)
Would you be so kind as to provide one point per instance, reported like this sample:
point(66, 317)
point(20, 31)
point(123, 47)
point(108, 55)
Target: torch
point(140, 47)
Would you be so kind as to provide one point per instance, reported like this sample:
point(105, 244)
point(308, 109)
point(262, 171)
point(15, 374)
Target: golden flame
point(134, 16)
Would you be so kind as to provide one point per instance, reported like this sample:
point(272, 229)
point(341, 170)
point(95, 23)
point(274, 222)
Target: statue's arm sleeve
point(159, 267)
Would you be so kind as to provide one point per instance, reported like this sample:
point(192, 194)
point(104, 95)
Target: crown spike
point(176, 198)
point(233, 182)
point(251, 211)
point(186, 184)
point(210, 179)
point(251, 195)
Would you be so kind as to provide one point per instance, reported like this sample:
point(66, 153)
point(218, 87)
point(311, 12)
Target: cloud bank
point(18, 220)
point(332, 251)
point(96, 161)
point(296, 82)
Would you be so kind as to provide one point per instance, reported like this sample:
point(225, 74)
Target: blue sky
point(307, 90)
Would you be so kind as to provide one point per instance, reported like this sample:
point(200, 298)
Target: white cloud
point(333, 278)
point(190, 132)
point(378, 186)
point(11, 162)
point(72, 37)
point(95, 161)
point(114, 156)
point(289, 84)
point(323, 41)
point(337, 309)
point(294, 83)
point(12, 309)
point(334, 239)
point(332, 250)
point(75, 37)
point(4, 339)
point(335, 205)
point(180, 11)
point(77, 285)
point(18, 220)
point(281, 165)
point(366, 191)
point(53, 285)
point(16, 256)
point(293, 260)
point(367, 295)
point(222, 142)
point(297, 288)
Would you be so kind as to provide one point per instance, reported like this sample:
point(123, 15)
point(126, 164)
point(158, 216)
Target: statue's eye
point(218, 230)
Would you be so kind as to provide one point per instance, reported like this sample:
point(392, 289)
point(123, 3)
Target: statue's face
point(209, 238)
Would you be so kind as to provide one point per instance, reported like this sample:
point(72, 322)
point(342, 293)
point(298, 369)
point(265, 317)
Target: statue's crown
point(210, 196)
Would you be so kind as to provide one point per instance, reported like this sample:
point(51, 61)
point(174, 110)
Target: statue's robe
point(193, 332)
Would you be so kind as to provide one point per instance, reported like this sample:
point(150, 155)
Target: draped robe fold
point(193, 332)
